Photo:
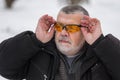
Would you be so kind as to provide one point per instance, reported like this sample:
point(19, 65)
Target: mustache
point(63, 38)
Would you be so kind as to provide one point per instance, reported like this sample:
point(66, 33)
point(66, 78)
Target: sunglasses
point(71, 28)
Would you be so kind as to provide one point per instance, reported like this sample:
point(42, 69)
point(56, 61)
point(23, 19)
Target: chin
point(68, 49)
point(63, 48)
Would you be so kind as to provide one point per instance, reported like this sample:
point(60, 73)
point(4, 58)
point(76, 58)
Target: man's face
point(69, 43)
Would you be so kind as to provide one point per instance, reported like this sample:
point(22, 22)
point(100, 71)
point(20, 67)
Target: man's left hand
point(92, 30)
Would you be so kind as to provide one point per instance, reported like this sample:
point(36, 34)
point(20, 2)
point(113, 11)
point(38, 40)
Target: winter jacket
point(24, 57)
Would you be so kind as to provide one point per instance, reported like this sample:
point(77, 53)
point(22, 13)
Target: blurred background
point(17, 16)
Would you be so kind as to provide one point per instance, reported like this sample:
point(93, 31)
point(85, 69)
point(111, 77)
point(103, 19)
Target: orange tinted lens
point(58, 27)
point(72, 28)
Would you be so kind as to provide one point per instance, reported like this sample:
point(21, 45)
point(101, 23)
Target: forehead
point(68, 18)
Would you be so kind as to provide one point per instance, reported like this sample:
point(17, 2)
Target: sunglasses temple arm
point(84, 26)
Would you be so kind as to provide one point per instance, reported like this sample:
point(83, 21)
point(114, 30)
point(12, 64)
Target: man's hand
point(92, 29)
point(44, 31)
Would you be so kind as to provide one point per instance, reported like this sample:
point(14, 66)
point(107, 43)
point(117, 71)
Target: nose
point(64, 32)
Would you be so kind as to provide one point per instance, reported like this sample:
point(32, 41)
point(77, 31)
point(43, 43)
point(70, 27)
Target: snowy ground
point(25, 14)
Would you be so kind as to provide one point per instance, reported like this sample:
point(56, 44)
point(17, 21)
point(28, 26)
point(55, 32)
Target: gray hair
point(70, 9)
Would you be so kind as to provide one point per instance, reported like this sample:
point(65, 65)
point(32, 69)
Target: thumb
point(84, 30)
point(51, 31)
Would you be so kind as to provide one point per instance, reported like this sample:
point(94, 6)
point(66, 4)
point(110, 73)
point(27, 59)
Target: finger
point(89, 22)
point(45, 22)
point(96, 21)
point(84, 30)
point(93, 24)
point(84, 23)
point(51, 32)
point(43, 18)
point(51, 20)
point(85, 17)
point(93, 21)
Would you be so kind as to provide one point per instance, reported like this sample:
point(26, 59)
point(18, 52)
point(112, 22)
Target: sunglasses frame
point(64, 26)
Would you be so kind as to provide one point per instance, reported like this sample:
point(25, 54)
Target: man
point(71, 48)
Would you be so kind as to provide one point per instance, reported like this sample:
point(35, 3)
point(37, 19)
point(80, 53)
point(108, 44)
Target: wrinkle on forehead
point(69, 18)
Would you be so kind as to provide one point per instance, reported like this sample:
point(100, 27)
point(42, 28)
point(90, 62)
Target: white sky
point(25, 14)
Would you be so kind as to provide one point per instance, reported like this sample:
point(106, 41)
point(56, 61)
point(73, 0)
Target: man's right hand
point(42, 31)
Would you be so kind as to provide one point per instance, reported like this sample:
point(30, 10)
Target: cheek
point(57, 34)
point(77, 39)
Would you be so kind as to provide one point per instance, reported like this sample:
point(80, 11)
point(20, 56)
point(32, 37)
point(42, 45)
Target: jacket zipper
point(55, 64)
point(71, 69)
point(45, 77)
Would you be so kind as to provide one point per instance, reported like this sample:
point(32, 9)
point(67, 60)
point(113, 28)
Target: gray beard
point(71, 51)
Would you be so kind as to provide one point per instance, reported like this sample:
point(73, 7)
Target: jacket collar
point(89, 60)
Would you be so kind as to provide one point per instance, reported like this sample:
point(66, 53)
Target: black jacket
point(23, 56)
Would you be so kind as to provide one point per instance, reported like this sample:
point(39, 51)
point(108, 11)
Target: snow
point(25, 14)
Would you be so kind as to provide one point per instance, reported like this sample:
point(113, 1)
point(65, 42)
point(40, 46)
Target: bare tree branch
point(72, 2)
